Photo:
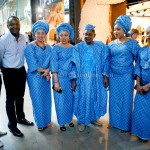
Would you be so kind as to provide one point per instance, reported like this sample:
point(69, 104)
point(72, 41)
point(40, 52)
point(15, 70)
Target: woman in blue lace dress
point(37, 55)
point(122, 52)
point(63, 76)
point(141, 113)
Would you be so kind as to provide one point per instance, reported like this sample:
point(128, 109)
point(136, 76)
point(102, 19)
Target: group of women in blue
point(123, 52)
point(82, 74)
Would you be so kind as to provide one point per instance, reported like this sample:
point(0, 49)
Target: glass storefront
point(55, 12)
point(19, 8)
point(1, 22)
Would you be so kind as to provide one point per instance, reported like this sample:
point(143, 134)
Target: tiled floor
point(94, 138)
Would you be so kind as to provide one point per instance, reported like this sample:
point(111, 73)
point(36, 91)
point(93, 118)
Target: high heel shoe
point(71, 124)
point(142, 140)
point(63, 128)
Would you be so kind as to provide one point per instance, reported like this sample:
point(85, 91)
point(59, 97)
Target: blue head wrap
point(124, 22)
point(89, 27)
point(65, 27)
point(40, 25)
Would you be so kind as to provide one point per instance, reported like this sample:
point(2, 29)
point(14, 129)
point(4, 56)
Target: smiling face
point(89, 36)
point(64, 37)
point(40, 35)
point(118, 32)
point(13, 25)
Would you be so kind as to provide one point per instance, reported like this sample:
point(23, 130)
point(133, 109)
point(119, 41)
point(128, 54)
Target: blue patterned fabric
point(61, 63)
point(121, 83)
point(65, 27)
point(124, 22)
point(40, 25)
point(89, 27)
point(90, 95)
point(39, 87)
point(141, 113)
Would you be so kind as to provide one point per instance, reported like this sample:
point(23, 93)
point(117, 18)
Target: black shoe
point(142, 140)
point(2, 133)
point(16, 132)
point(63, 128)
point(25, 122)
point(71, 124)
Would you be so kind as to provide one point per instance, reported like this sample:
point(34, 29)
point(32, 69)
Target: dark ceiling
point(135, 1)
point(131, 1)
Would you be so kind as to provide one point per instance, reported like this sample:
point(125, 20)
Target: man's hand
point(106, 82)
point(73, 85)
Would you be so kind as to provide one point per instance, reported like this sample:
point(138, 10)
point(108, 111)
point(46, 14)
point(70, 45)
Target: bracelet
point(56, 82)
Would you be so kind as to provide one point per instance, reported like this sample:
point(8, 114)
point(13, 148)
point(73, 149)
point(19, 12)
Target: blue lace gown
point(141, 113)
point(121, 83)
point(61, 64)
point(90, 95)
point(39, 87)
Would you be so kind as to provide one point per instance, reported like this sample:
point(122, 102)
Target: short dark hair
point(13, 17)
point(133, 31)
